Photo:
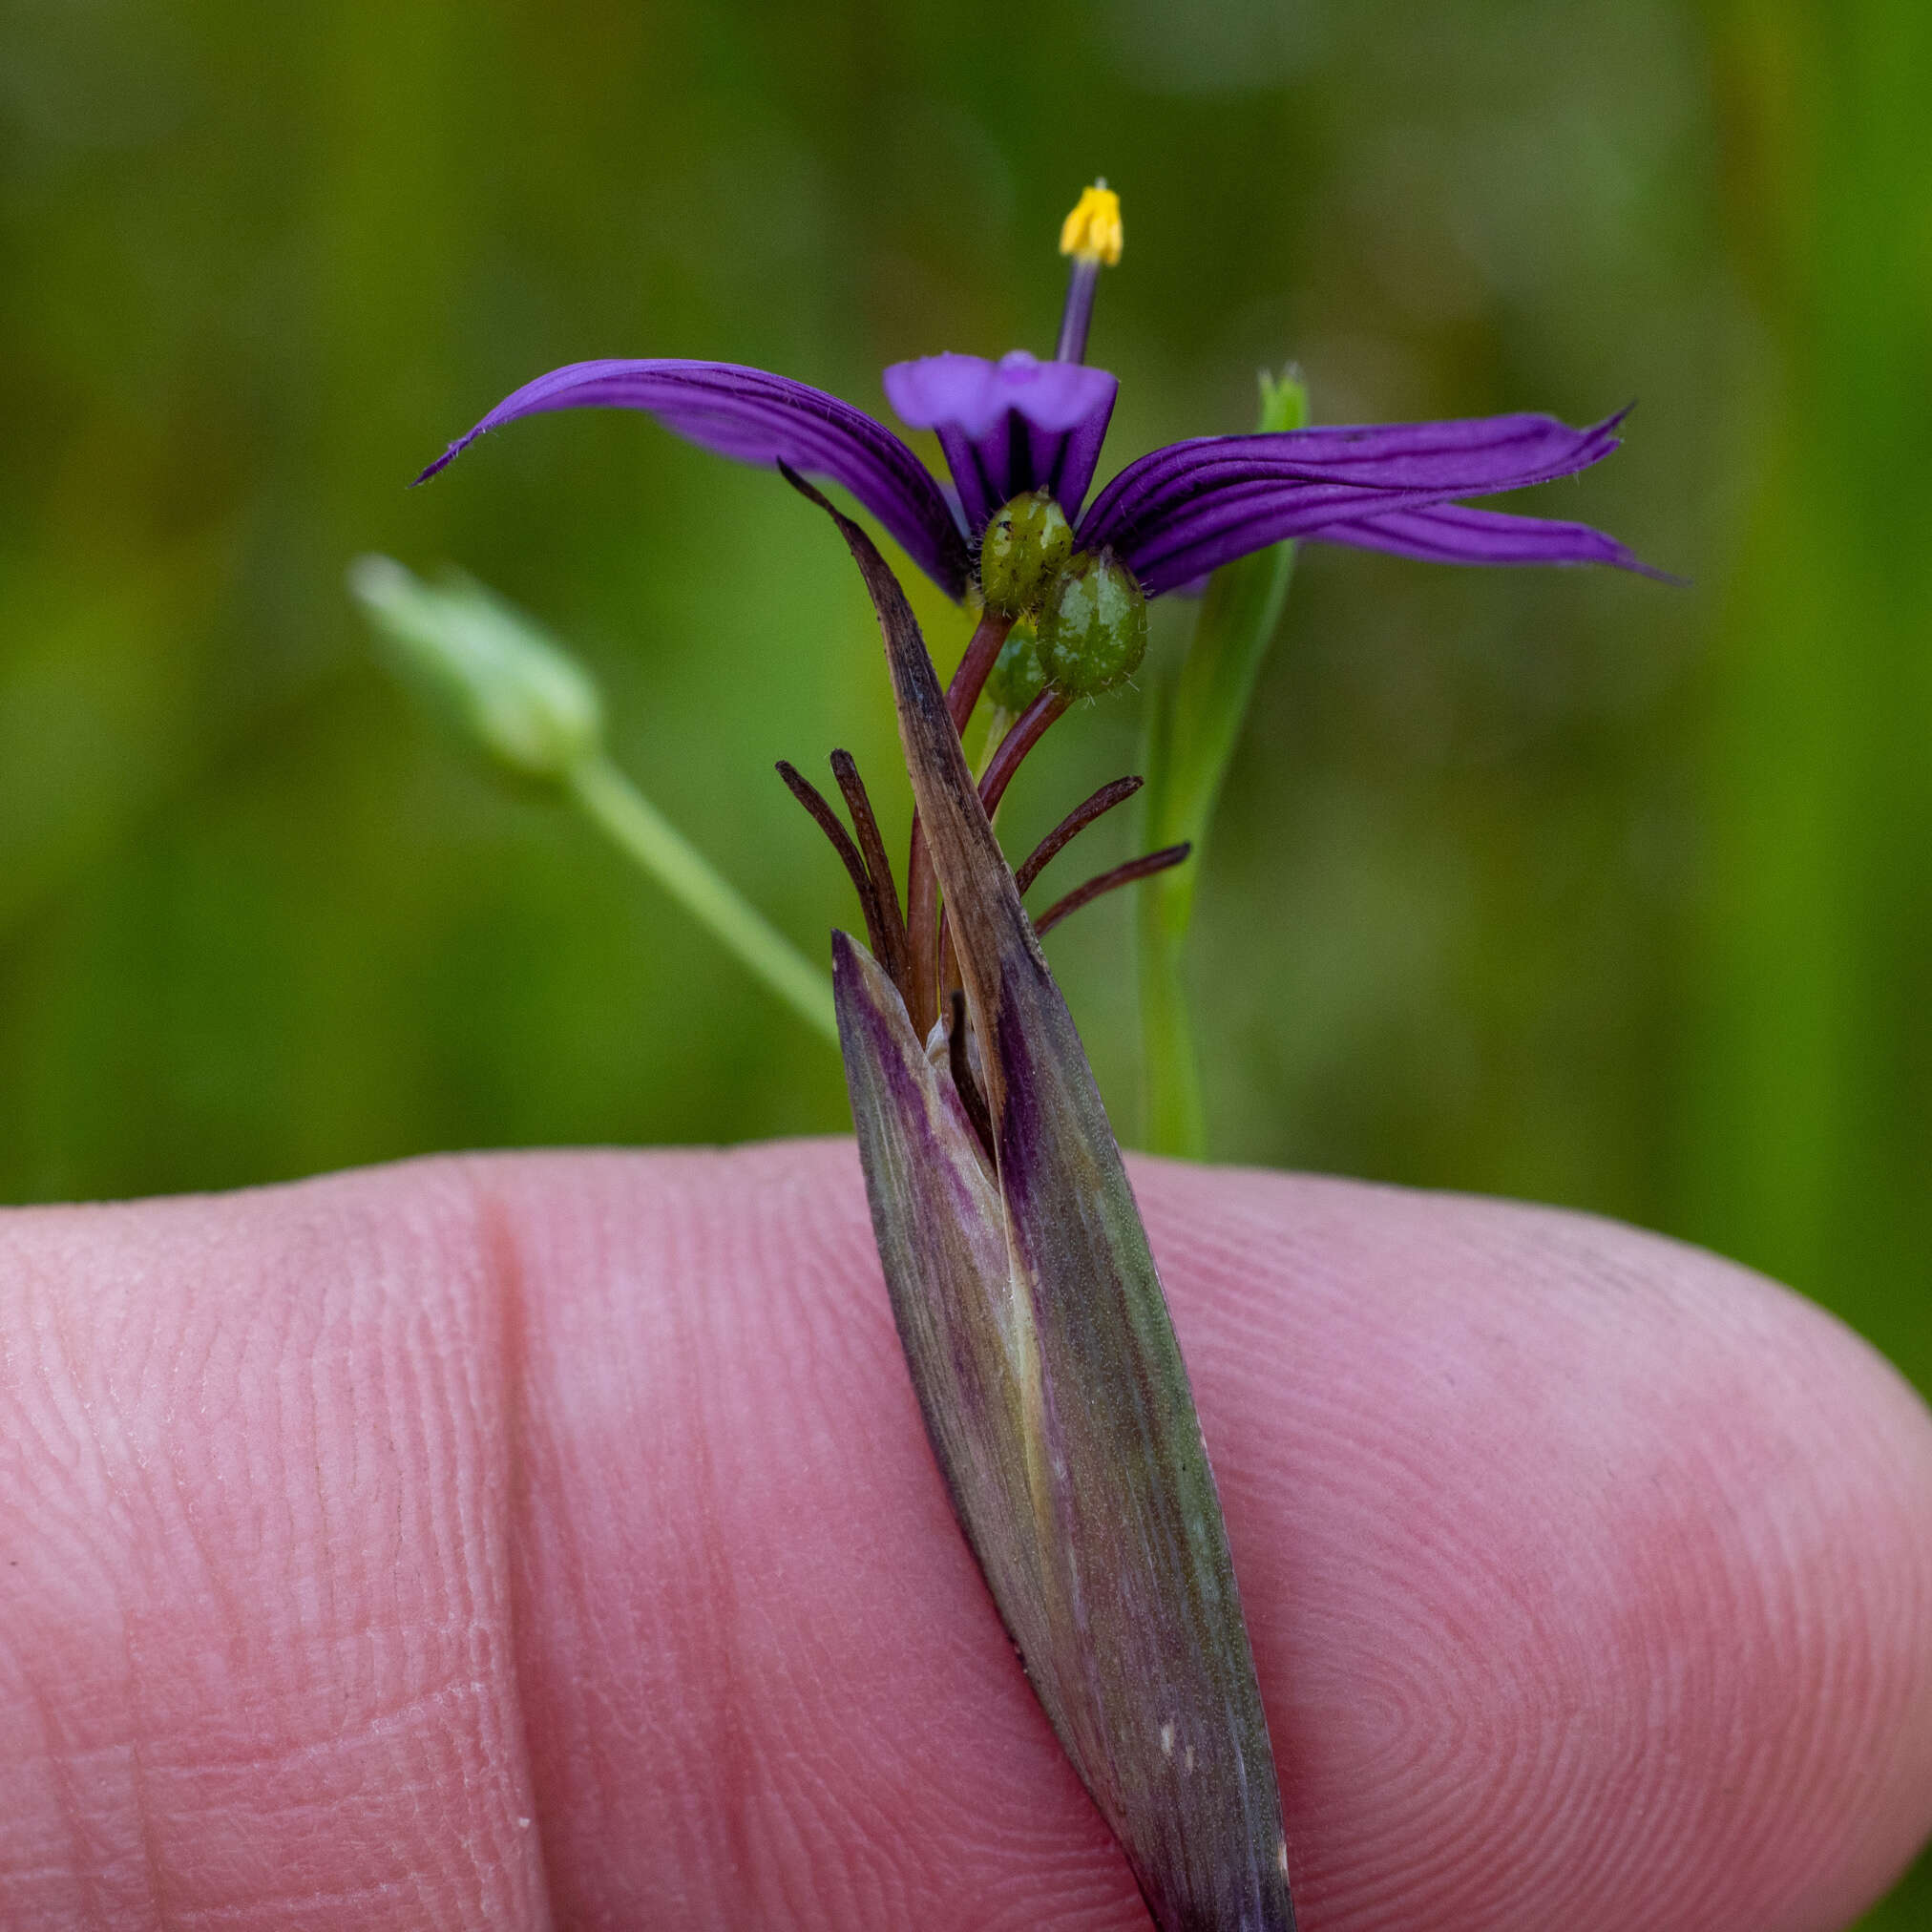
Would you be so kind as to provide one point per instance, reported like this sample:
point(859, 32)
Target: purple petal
point(1006, 426)
point(1452, 532)
point(1177, 545)
point(1476, 456)
point(1183, 511)
point(762, 418)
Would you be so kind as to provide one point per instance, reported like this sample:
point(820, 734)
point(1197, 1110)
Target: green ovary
point(1093, 626)
point(1025, 545)
point(1018, 676)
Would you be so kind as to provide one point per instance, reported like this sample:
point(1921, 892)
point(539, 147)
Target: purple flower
point(1020, 425)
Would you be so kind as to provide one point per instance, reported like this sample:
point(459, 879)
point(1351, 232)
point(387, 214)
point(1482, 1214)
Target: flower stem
point(1070, 828)
point(962, 693)
point(642, 832)
point(1049, 705)
point(1130, 872)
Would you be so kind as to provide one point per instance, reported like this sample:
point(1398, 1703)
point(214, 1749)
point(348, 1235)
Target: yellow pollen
point(1092, 232)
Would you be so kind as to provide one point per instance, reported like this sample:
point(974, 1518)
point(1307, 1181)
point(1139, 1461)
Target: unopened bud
point(1284, 400)
point(1093, 626)
point(511, 690)
point(1024, 547)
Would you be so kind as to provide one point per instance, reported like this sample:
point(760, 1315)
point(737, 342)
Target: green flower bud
point(1284, 400)
point(1017, 677)
point(508, 688)
point(1025, 546)
point(1093, 626)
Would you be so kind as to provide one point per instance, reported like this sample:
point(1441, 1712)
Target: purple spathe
point(1172, 517)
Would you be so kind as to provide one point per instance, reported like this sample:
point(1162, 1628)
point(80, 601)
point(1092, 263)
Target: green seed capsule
point(1017, 677)
point(1093, 626)
point(1025, 546)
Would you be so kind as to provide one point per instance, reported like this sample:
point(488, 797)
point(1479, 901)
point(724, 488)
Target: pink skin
point(521, 1541)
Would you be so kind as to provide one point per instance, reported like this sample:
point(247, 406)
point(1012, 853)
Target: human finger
point(1586, 1574)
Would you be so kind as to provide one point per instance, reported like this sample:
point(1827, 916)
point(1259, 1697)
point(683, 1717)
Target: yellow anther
point(1092, 232)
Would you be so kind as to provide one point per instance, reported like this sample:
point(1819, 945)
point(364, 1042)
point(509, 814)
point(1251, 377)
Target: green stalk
point(515, 695)
point(1194, 718)
point(649, 838)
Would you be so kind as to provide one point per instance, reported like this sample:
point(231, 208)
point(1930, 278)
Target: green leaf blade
point(1194, 720)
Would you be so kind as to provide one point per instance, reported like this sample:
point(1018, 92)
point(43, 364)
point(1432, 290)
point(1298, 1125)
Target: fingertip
point(1590, 1575)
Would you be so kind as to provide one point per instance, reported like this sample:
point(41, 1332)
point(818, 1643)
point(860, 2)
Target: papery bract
point(1047, 1371)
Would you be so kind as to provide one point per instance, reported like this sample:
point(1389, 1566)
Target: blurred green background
point(1559, 884)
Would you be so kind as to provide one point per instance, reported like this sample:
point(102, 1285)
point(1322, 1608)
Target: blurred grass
point(1558, 885)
